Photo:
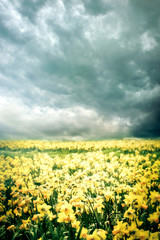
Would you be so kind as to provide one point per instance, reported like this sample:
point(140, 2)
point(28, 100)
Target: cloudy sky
point(79, 69)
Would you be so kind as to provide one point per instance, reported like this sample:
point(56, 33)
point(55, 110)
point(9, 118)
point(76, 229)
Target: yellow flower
point(155, 196)
point(139, 223)
point(62, 217)
point(144, 206)
point(25, 224)
point(154, 217)
point(10, 213)
point(93, 237)
point(43, 209)
point(36, 217)
point(51, 216)
point(154, 236)
point(108, 195)
point(18, 212)
point(76, 224)
point(12, 227)
point(3, 218)
point(142, 234)
point(22, 203)
point(83, 233)
point(100, 233)
point(66, 208)
point(132, 228)
point(25, 210)
point(138, 202)
point(120, 229)
point(130, 213)
point(129, 198)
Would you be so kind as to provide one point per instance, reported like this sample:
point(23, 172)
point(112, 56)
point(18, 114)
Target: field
point(90, 190)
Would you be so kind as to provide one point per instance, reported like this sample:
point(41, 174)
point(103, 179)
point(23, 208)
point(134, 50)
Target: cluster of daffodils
point(105, 190)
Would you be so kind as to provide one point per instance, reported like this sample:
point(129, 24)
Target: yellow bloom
point(25, 210)
point(66, 208)
point(2, 207)
point(129, 198)
point(154, 236)
point(36, 217)
point(142, 234)
point(154, 217)
point(12, 227)
point(3, 218)
point(25, 224)
point(108, 195)
point(83, 233)
point(62, 217)
point(93, 237)
point(144, 206)
point(132, 228)
point(43, 209)
point(22, 203)
point(51, 216)
point(139, 202)
point(155, 196)
point(120, 229)
point(100, 233)
point(130, 213)
point(18, 212)
point(10, 213)
point(76, 224)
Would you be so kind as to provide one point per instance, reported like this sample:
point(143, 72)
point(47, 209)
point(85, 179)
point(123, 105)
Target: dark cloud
point(148, 126)
point(79, 69)
point(29, 8)
point(96, 7)
point(148, 12)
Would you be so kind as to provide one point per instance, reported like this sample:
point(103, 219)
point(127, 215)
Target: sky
point(79, 69)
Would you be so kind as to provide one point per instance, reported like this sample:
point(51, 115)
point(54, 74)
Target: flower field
point(90, 190)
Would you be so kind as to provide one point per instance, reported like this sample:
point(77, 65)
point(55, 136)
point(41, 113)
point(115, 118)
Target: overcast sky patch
point(79, 69)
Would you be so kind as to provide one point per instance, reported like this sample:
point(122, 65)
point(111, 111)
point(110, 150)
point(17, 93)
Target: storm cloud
point(79, 69)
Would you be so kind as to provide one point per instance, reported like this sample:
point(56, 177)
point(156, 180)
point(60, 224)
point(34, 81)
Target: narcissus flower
point(12, 227)
point(66, 208)
point(154, 236)
point(120, 229)
point(130, 213)
point(76, 224)
point(142, 234)
point(25, 224)
point(154, 217)
point(154, 196)
point(84, 233)
point(43, 209)
point(100, 233)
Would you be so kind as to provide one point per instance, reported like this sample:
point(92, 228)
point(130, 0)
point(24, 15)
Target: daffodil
point(11, 227)
point(76, 224)
point(142, 234)
point(154, 217)
point(154, 236)
point(130, 213)
point(100, 233)
point(25, 224)
point(132, 228)
point(154, 196)
point(43, 209)
point(120, 229)
point(66, 208)
point(84, 233)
